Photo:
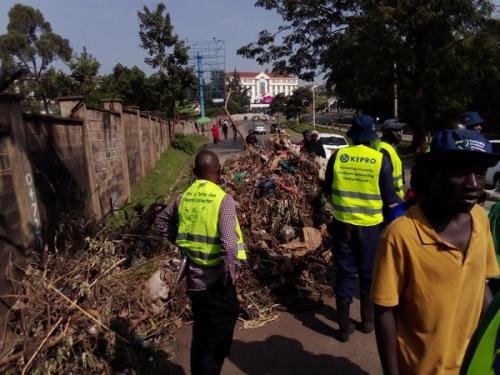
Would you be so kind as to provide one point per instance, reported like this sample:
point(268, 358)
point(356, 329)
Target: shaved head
point(206, 165)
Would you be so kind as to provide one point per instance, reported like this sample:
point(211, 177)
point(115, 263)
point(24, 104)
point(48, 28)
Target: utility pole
point(314, 107)
point(201, 84)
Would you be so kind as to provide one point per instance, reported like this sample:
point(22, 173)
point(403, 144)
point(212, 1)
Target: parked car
point(275, 127)
point(255, 118)
point(259, 128)
point(493, 173)
point(332, 142)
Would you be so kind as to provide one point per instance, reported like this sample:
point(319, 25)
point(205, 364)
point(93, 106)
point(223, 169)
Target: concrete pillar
point(75, 107)
point(20, 223)
point(70, 104)
point(150, 147)
point(115, 105)
point(134, 108)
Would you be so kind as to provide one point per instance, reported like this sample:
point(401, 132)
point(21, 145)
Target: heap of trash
point(284, 218)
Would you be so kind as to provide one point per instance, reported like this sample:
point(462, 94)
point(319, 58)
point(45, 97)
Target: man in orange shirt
point(432, 264)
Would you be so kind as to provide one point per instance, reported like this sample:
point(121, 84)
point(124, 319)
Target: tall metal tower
point(208, 60)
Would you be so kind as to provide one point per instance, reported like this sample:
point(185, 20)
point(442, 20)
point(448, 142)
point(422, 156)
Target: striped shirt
point(200, 277)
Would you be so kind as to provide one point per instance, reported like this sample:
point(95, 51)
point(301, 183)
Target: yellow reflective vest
point(198, 233)
point(355, 187)
point(397, 165)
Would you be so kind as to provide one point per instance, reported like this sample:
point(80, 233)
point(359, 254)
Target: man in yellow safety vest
point(203, 223)
point(360, 182)
point(392, 134)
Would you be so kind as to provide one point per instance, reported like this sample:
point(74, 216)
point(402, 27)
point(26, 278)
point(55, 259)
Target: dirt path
point(295, 343)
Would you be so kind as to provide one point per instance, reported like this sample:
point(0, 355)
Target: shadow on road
point(279, 355)
point(310, 319)
point(133, 356)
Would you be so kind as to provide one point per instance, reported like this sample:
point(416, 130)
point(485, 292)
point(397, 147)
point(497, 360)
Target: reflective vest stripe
point(198, 238)
point(352, 194)
point(241, 246)
point(398, 178)
point(202, 255)
point(358, 210)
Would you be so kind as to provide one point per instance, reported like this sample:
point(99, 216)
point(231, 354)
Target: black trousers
point(215, 312)
point(354, 250)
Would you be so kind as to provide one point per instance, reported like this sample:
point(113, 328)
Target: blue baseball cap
point(462, 144)
point(471, 119)
point(362, 129)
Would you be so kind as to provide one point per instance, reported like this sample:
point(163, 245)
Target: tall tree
point(364, 47)
point(31, 45)
point(84, 69)
point(168, 54)
point(239, 100)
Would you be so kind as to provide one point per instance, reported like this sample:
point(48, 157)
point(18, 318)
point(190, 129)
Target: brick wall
point(132, 145)
point(107, 145)
point(55, 148)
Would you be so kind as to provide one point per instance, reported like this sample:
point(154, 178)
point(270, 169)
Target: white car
point(332, 142)
point(493, 173)
point(259, 128)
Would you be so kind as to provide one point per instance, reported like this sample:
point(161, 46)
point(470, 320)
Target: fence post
point(115, 105)
point(75, 107)
point(20, 225)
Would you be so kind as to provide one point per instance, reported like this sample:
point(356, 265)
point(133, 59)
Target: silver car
point(259, 128)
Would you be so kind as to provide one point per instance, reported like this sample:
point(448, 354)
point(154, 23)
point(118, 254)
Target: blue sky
point(109, 28)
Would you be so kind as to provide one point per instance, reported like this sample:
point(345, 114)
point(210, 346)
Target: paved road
point(296, 343)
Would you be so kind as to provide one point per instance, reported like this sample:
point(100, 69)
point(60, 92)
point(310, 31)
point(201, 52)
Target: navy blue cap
point(471, 119)
point(362, 129)
point(460, 143)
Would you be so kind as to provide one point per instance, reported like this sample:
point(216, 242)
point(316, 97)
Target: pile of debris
point(284, 218)
point(82, 308)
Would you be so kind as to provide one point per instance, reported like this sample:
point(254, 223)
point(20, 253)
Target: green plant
point(180, 142)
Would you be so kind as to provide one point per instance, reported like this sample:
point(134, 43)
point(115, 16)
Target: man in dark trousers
point(359, 181)
point(203, 223)
point(429, 279)
point(392, 134)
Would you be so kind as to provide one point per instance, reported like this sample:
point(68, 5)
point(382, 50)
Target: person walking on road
point(432, 263)
point(203, 223)
point(251, 138)
point(359, 181)
point(215, 133)
point(392, 134)
point(225, 129)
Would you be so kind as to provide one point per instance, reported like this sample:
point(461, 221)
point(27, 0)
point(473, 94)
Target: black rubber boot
point(367, 324)
point(345, 326)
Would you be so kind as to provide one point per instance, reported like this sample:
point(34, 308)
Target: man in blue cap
point(432, 264)
point(359, 181)
point(472, 121)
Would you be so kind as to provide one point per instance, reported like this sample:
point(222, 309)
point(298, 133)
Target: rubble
point(283, 216)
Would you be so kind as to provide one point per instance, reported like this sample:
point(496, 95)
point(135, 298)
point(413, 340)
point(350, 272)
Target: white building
point(264, 86)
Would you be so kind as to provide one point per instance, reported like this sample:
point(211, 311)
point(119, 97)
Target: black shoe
point(345, 325)
point(367, 324)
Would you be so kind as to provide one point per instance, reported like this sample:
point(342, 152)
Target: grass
point(163, 182)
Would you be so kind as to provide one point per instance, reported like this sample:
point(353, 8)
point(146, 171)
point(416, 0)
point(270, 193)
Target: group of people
point(222, 124)
point(422, 277)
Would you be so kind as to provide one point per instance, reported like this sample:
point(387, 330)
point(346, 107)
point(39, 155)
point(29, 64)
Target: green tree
point(31, 45)
point(239, 100)
point(364, 47)
point(168, 54)
point(84, 69)
point(299, 103)
point(278, 105)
